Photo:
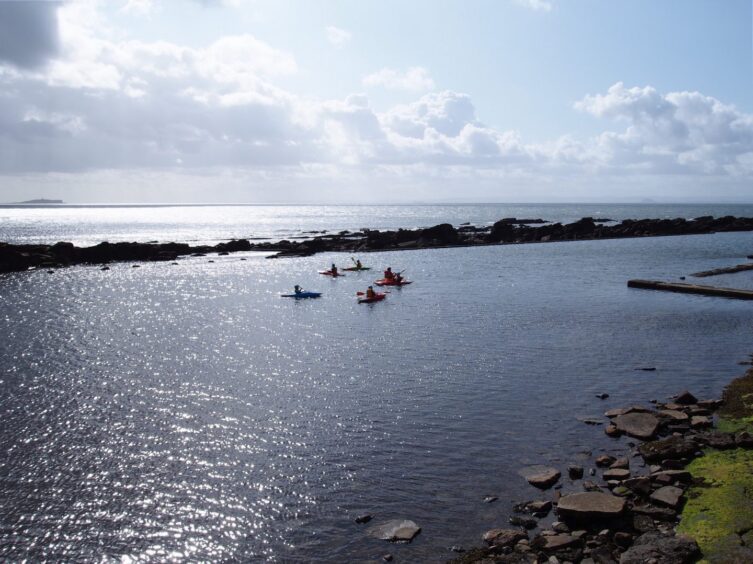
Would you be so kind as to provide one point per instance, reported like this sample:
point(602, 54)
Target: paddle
point(364, 293)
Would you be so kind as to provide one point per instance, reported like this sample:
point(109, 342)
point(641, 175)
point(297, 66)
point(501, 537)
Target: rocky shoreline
point(662, 502)
point(16, 258)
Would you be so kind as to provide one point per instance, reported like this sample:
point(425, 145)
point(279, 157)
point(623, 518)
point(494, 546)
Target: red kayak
point(330, 273)
point(377, 298)
point(392, 282)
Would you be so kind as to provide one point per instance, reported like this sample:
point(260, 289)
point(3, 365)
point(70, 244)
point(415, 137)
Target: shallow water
point(175, 412)
point(196, 224)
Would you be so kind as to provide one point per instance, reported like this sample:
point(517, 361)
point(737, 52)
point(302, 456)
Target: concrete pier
point(691, 289)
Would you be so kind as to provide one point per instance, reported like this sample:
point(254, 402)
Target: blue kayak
point(300, 295)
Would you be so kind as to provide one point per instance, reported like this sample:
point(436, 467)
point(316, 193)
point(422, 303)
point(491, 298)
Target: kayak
point(388, 282)
point(356, 269)
point(377, 298)
point(300, 295)
point(329, 273)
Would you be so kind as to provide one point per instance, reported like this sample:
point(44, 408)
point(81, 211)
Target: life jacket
point(389, 275)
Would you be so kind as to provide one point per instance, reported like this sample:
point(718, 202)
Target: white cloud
point(338, 37)
point(415, 79)
point(103, 104)
point(139, 7)
point(538, 5)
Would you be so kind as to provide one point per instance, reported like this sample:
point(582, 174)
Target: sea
point(189, 413)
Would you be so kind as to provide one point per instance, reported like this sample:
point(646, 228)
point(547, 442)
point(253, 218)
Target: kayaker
point(398, 278)
point(370, 293)
point(333, 270)
point(298, 289)
point(359, 266)
point(388, 274)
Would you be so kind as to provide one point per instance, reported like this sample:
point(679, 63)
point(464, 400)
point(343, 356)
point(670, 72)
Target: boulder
point(544, 479)
point(669, 496)
point(673, 415)
point(685, 398)
point(504, 537)
point(397, 530)
point(717, 439)
point(700, 421)
point(621, 462)
point(638, 425)
point(575, 472)
point(605, 460)
point(589, 508)
point(656, 547)
point(673, 447)
point(553, 543)
point(616, 474)
point(640, 485)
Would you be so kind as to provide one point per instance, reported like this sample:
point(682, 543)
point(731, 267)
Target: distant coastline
point(41, 201)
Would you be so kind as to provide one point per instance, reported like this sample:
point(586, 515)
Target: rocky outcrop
point(589, 507)
point(664, 548)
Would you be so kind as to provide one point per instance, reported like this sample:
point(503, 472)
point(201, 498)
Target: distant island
point(41, 201)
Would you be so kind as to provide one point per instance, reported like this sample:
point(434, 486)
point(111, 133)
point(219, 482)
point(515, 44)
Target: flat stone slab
point(674, 414)
point(668, 496)
point(397, 530)
point(638, 425)
point(589, 506)
point(553, 543)
point(544, 479)
point(616, 474)
point(504, 537)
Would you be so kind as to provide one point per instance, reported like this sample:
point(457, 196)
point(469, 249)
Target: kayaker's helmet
point(333, 266)
point(389, 269)
point(297, 288)
point(371, 287)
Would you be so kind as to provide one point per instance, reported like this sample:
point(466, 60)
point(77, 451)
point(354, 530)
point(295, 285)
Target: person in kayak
point(333, 270)
point(359, 266)
point(388, 274)
point(398, 278)
point(370, 293)
point(297, 289)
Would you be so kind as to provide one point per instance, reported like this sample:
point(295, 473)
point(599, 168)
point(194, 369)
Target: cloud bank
point(83, 103)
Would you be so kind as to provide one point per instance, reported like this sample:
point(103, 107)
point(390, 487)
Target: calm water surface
point(188, 412)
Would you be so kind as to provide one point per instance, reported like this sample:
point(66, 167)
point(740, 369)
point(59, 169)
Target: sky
point(294, 101)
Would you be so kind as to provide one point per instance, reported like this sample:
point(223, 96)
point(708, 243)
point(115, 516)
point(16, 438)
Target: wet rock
point(525, 522)
point(640, 485)
point(670, 448)
point(616, 474)
point(602, 396)
point(591, 421)
point(387, 558)
point(575, 472)
point(669, 496)
point(397, 530)
point(623, 539)
point(638, 425)
point(456, 548)
point(612, 431)
point(560, 527)
point(643, 523)
point(490, 498)
point(664, 549)
point(589, 486)
point(540, 507)
point(685, 398)
point(504, 537)
point(657, 513)
point(647, 368)
point(673, 475)
point(605, 460)
point(588, 507)
point(363, 518)
point(621, 462)
point(105, 268)
point(544, 479)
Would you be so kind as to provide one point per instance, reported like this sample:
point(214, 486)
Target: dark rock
point(673, 415)
point(525, 522)
point(363, 518)
point(640, 485)
point(575, 472)
point(638, 425)
point(540, 506)
point(670, 448)
point(616, 474)
point(700, 421)
point(664, 549)
point(647, 368)
point(554, 543)
point(717, 439)
point(602, 396)
point(685, 398)
point(612, 431)
point(657, 513)
point(605, 460)
point(623, 539)
point(387, 558)
point(490, 498)
point(622, 463)
point(744, 439)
